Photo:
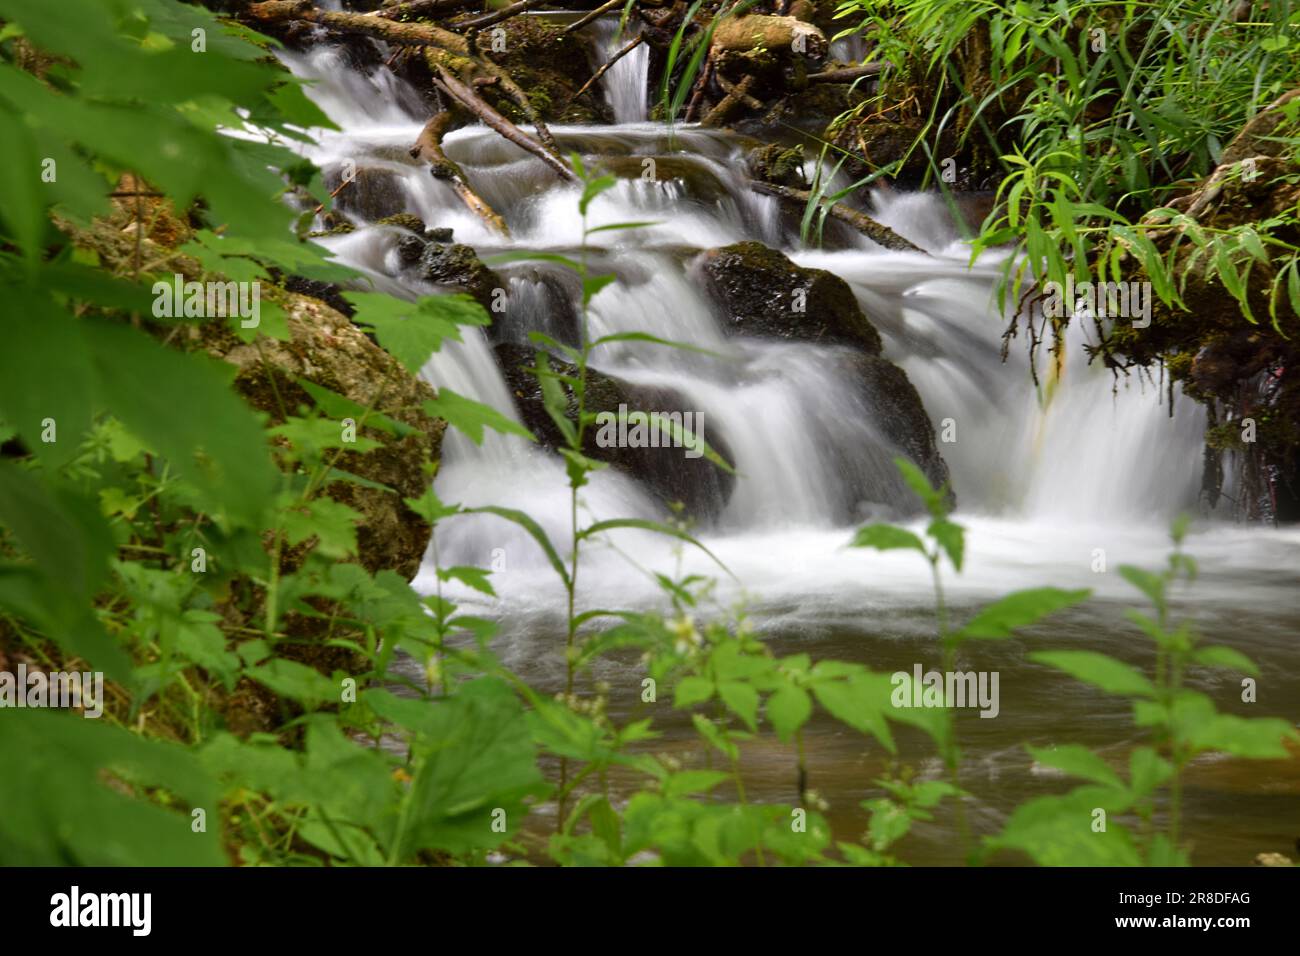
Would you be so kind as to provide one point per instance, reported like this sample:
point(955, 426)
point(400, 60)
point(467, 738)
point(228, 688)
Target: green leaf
point(951, 537)
point(886, 537)
point(92, 794)
point(157, 393)
point(475, 578)
point(473, 755)
point(692, 690)
point(1019, 609)
point(1112, 676)
point(42, 346)
point(471, 417)
point(413, 331)
point(1217, 655)
point(742, 700)
point(1152, 585)
point(297, 681)
point(1077, 761)
point(788, 709)
point(1059, 831)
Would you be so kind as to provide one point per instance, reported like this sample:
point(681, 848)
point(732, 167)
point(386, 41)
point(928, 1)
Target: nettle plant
point(190, 548)
point(1182, 724)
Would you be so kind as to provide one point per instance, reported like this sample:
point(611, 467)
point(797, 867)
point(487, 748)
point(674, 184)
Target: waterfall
point(1082, 450)
point(625, 83)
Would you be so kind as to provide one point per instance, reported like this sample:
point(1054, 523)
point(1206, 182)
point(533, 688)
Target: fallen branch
point(466, 96)
point(595, 77)
point(875, 231)
point(428, 148)
point(505, 13)
point(421, 8)
point(596, 14)
point(734, 97)
point(728, 87)
point(845, 75)
point(364, 24)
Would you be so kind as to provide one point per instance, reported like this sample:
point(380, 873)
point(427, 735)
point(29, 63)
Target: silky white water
point(1044, 476)
point(1057, 484)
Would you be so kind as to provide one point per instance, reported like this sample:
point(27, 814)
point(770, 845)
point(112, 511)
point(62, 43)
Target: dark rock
point(459, 266)
point(410, 249)
point(439, 233)
point(374, 194)
point(895, 408)
point(700, 486)
point(762, 293)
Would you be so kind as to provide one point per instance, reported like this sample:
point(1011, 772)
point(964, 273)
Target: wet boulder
point(459, 267)
point(374, 193)
point(762, 293)
point(701, 487)
point(894, 407)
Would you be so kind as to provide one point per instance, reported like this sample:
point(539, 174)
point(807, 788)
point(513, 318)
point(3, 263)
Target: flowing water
point(1057, 484)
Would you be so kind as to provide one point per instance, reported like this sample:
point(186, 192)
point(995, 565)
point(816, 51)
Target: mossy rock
point(326, 349)
point(550, 66)
point(761, 292)
point(458, 266)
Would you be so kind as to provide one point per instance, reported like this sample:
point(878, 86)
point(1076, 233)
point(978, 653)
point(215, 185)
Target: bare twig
point(466, 96)
point(595, 77)
point(875, 231)
point(596, 14)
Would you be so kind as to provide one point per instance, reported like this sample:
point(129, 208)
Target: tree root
point(428, 148)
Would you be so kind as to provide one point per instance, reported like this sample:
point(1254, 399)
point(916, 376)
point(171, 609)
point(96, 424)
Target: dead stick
point(475, 104)
point(737, 93)
point(636, 42)
point(697, 95)
point(428, 147)
point(596, 14)
point(846, 75)
point(875, 231)
point(419, 8)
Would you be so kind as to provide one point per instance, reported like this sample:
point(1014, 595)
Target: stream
point(1049, 480)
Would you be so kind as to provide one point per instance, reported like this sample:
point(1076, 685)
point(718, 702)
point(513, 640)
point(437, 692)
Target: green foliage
point(254, 714)
point(1096, 113)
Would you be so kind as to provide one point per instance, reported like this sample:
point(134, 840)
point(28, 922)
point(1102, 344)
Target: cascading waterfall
point(625, 82)
point(1084, 455)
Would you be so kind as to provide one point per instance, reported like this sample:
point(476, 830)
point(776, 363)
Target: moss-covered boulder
point(458, 267)
point(1246, 373)
point(326, 349)
point(550, 66)
point(760, 292)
